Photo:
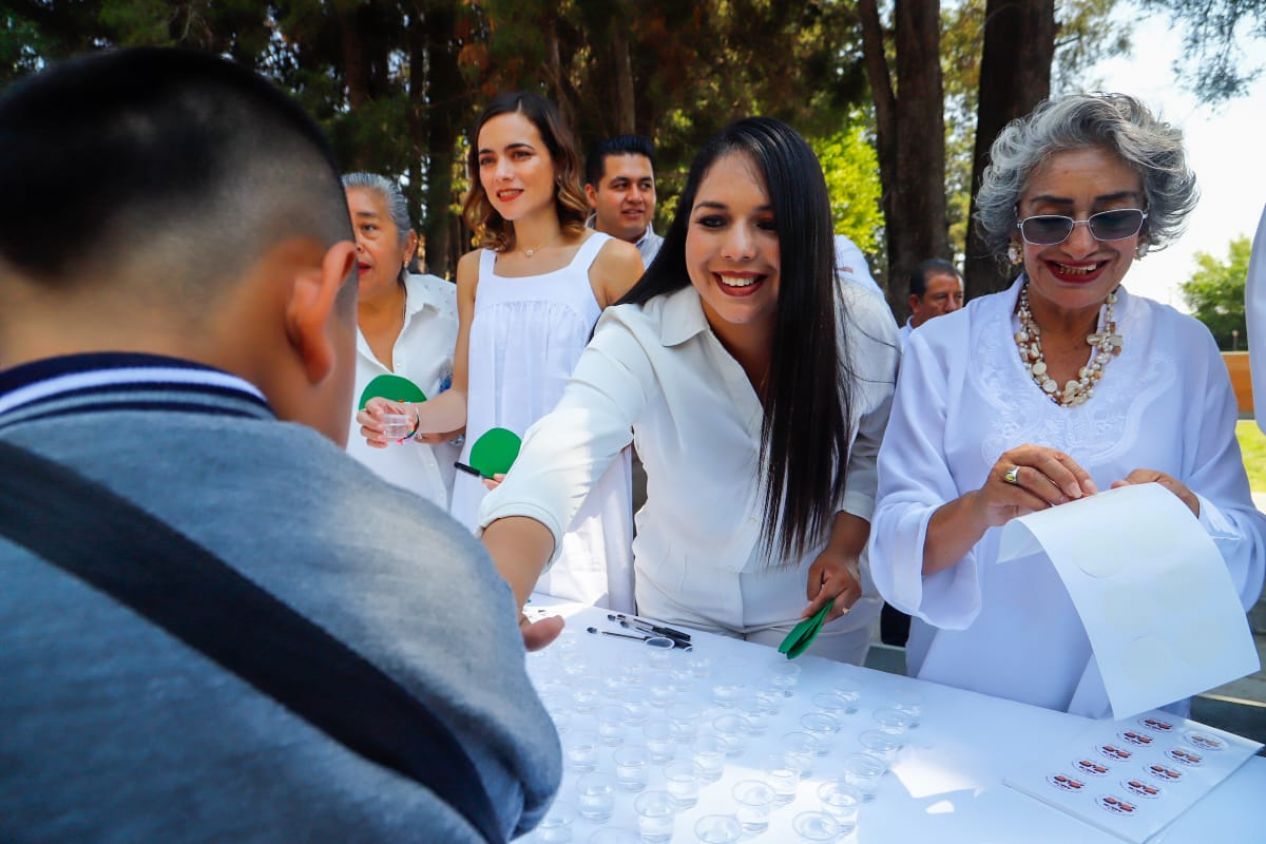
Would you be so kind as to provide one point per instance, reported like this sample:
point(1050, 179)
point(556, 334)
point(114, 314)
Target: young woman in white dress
point(1063, 385)
point(756, 388)
point(527, 304)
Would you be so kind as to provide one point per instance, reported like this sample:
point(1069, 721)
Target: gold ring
point(1012, 476)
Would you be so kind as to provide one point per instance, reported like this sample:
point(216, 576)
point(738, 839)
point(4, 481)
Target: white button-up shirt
point(656, 375)
point(1255, 300)
point(423, 353)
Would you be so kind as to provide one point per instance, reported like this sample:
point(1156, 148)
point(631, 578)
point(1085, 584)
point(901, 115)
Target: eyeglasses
point(1050, 229)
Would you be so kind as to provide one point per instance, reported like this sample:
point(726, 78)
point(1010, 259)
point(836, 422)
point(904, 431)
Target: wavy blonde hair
point(491, 229)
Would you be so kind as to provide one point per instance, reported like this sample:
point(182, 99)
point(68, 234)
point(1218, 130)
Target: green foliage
point(22, 47)
point(1215, 292)
point(1253, 450)
point(852, 179)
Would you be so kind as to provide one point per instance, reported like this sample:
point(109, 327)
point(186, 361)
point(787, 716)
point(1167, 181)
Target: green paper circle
point(393, 388)
point(494, 453)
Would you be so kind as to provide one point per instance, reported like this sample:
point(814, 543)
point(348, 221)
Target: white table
point(944, 786)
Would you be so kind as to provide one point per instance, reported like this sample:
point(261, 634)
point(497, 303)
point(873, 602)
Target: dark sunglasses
point(1050, 229)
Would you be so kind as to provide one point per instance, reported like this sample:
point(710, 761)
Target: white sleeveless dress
point(525, 339)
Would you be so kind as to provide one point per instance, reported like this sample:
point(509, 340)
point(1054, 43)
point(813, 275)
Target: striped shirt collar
point(124, 381)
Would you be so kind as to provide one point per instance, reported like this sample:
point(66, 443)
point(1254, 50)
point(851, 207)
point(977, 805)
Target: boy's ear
point(313, 303)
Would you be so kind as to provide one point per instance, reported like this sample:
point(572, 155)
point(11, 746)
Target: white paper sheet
point(1132, 778)
point(1151, 589)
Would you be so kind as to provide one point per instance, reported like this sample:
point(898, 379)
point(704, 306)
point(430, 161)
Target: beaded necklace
point(1105, 345)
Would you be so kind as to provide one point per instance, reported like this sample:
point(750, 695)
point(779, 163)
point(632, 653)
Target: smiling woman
point(527, 304)
point(1047, 392)
point(756, 388)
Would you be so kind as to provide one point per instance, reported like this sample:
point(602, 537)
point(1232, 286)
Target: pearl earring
point(1014, 256)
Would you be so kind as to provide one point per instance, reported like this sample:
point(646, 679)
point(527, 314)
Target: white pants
point(758, 606)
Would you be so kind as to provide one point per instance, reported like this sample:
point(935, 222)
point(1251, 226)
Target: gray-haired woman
point(407, 326)
point(1062, 385)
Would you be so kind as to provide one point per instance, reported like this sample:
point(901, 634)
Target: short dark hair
point(932, 266)
point(596, 163)
point(808, 402)
point(172, 159)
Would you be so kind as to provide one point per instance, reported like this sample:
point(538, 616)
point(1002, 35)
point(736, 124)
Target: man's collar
point(592, 223)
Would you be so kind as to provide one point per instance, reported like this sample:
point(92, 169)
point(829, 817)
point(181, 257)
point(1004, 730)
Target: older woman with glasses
point(1052, 390)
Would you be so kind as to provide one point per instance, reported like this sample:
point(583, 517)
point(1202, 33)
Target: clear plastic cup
point(396, 426)
point(709, 754)
point(833, 704)
point(638, 703)
point(785, 676)
point(815, 827)
point(842, 802)
point(718, 829)
point(555, 828)
point(771, 699)
point(581, 750)
point(783, 777)
point(614, 835)
point(821, 725)
point(656, 816)
point(864, 772)
point(756, 714)
point(801, 741)
point(682, 780)
point(911, 703)
point(612, 724)
point(893, 720)
point(660, 742)
point(700, 666)
point(753, 801)
point(726, 694)
point(733, 731)
point(663, 694)
point(632, 766)
point(585, 699)
point(595, 797)
point(849, 693)
point(881, 744)
point(660, 653)
point(684, 720)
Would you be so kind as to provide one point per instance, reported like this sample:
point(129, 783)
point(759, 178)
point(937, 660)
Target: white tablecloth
point(944, 786)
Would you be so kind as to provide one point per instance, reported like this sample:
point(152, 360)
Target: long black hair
point(807, 401)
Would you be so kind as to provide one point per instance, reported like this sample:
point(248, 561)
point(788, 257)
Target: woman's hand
point(1027, 479)
point(373, 428)
point(1177, 487)
point(834, 577)
point(494, 482)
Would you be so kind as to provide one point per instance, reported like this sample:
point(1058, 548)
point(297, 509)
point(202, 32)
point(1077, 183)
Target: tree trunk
point(444, 114)
point(355, 63)
point(624, 118)
point(416, 39)
point(1015, 75)
point(911, 138)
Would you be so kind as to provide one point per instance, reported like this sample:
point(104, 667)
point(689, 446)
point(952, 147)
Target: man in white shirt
point(1255, 311)
point(850, 265)
point(936, 289)
point(620, 187)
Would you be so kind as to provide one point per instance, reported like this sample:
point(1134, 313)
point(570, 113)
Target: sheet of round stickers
point(1133, 777)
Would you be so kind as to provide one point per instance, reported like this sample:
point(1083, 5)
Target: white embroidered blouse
point(962, 399)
